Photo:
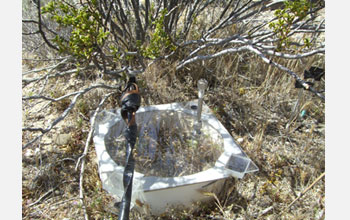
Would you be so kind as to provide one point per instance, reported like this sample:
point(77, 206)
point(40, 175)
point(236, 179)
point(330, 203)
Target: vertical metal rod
point(202, 85)
point(199, 110)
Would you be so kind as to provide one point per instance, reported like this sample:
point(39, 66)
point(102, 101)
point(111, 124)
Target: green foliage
point(293, 11)
point(87, 32)
point(159, 39)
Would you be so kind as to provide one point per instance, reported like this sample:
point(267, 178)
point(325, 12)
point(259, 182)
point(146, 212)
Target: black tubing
point(130, 134)
point(130, 103)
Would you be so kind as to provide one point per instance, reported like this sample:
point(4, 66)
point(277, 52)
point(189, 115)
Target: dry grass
point(255, 102)
point(252, 100)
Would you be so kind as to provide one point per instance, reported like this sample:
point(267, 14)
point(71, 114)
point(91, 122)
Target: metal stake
point(202, 85)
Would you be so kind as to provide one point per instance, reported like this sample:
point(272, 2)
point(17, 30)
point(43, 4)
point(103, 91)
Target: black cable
point(131, 101)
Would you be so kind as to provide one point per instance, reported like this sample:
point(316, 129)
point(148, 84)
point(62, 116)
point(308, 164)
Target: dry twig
point(82, 157)
point(305, 191)
point(43, 196)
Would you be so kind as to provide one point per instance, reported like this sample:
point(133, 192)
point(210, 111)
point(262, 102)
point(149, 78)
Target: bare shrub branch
point(65, 113)
point(293, 74)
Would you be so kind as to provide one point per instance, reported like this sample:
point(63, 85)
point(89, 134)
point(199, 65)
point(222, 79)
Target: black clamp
point(130, 101)
point(314, 73)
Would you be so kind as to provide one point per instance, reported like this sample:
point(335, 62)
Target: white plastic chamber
point(176, 158)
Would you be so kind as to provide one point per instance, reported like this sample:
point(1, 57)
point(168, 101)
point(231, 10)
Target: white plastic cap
point(202, 85)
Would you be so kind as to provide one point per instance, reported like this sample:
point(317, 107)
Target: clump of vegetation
point(159, 39)
point(286, 17)
point(87, 34)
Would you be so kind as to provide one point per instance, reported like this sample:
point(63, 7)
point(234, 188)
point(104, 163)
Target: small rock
point(240, 140)
point(62, 139)
point(29, 153)
point(50, 148)
point(37, 151)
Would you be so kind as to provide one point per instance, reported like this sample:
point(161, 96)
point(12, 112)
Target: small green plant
point(80, 123)
point(159, 39)
point(83, 107)
point(293, 11)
